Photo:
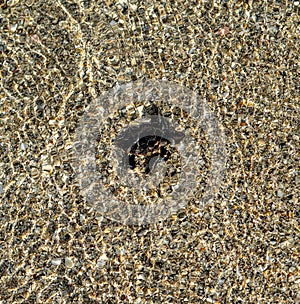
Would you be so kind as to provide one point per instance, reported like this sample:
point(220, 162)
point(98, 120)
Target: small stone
point(23, 146)
point(102, 260)
point(52, 122)
point(68, 262)
point(47, 168)
point(34, 172)
point(133, 7)
point(81, 218)
point(260, 142)
point(12, 2)
point(13, 27)
point(141, 277)
point(68, 146)
point(280, 193)
point(106, 230)
point(56, 262)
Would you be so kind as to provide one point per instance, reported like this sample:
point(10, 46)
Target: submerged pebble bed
point(56, 57)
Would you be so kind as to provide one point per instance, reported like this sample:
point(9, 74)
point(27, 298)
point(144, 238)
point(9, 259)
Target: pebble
point(12, 2)
point(102, 260)
point(52, 122)
point(260, 142)
point(47, 168)
point(280, 193)
point(133, 7)
point(56, 262)
point(13, 27)
point(23, 146)
point(68, 262)
point(82, 218)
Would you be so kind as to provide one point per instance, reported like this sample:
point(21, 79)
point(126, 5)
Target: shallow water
point(241, 59)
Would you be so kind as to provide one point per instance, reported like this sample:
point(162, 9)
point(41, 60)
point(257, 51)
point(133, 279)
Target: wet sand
point(55, 58)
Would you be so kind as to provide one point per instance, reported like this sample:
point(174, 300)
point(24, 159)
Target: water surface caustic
point(144, 149)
